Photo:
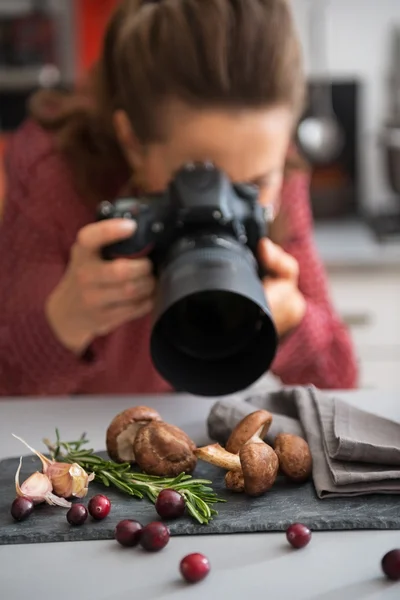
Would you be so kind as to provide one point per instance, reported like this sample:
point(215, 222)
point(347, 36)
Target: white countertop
point(335, 565)
point(352, 245)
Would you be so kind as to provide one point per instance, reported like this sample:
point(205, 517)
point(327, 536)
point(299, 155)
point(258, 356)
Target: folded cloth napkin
point(354, 452)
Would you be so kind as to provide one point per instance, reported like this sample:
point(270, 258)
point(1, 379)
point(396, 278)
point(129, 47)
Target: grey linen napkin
point(354, 452)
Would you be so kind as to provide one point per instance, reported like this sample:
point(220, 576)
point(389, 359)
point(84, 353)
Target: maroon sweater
point(42, 215)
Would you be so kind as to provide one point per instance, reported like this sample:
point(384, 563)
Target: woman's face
point(249, 146)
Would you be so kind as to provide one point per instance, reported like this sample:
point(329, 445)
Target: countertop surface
point(352, 245)
point(335, 565)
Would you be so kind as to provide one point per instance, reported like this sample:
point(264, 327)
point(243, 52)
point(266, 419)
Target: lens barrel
point(213, 332)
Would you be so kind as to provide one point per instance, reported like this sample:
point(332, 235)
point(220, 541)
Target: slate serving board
point(283, 505)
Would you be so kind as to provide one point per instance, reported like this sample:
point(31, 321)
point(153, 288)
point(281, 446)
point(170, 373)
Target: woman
point(178, 81)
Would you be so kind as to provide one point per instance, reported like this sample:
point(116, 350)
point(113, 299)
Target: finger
point(120, 295)
point(96, 235)
point(144, 289)
point(129, 294)
point(114, 317)
point(119, 271)
point(278, 288)
point(278, 262)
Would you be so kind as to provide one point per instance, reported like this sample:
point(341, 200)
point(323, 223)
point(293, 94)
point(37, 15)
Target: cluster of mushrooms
point(139, 436)
point(252, 465)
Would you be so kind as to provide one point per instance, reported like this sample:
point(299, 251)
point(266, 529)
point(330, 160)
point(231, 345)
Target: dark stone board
point(284, 504)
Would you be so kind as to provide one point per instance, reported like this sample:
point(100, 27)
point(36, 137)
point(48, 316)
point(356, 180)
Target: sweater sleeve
point(32, 361)
point(320, 350)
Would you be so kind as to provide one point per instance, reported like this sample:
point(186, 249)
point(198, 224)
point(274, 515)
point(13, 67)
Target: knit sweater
point(43, 213)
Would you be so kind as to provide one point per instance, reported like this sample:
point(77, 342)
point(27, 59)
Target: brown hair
point(206, 53)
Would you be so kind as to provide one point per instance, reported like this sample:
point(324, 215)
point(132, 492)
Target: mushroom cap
point(122, 431)
point(295, 459)
point(257, 422)
point(163, 449)
point(260, 467)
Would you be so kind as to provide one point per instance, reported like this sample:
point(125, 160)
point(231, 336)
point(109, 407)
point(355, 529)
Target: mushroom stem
point(218, 456)
point(234, 481)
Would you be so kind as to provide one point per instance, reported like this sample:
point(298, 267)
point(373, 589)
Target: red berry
point(170, 504)
point(391, 564)
point(21, 508)
point(128, 532)
point(154, 536)
point(99, 506)
point(194, 567)
point(77, 514)
point(298, 535)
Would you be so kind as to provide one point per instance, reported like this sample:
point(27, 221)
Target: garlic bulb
point(38, 488)
point(68, 480)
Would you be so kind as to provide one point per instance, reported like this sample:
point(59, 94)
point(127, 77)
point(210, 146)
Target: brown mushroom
point(234, 481)
point(253, 471)
point(251, 429)
point(122, 431)
point(260, 467)
point(163, 449)
point(218, 456)
point(294, 456)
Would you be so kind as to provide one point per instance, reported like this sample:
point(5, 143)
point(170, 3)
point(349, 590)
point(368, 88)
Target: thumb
point(276, 261)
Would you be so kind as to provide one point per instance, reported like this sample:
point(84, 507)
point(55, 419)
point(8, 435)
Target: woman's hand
point(287, 304)
point(96, 296)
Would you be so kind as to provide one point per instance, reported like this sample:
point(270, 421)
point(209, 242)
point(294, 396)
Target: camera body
point(200, 200)
point(213, 333)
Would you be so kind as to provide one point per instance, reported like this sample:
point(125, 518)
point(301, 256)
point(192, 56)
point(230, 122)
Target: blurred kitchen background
point(350, 133)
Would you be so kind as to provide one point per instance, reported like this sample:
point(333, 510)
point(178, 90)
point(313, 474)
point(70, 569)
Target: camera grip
point(120, 249)
point(138, 241)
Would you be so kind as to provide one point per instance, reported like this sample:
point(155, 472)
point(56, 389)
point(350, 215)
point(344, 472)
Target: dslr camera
point(213, 332)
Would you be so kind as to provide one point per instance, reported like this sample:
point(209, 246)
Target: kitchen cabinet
point(369, 303)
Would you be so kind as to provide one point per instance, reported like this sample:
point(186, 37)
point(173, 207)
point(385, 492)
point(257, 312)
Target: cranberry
point(99, 506)
point(128, 532)
point(298, 535)
point(194, 567)
point(154, 536)
point(170, 504)
point(21, 508)
point(391, 564)
point(77, 514)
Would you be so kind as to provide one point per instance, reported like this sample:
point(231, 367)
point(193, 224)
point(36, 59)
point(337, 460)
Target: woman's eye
point(271, 182)
point(258, 185)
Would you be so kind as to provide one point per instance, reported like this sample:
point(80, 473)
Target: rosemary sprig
point(198, 495)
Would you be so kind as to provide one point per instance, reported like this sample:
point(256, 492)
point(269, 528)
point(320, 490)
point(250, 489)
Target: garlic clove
point(38, 488)
point(69, 480)
point(81, 481)
point(34, 488)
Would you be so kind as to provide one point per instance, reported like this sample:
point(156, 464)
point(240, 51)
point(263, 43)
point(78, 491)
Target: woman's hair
point(230, 54)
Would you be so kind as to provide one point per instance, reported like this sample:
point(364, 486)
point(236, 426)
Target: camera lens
point(213, 332)
point(215, 324)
